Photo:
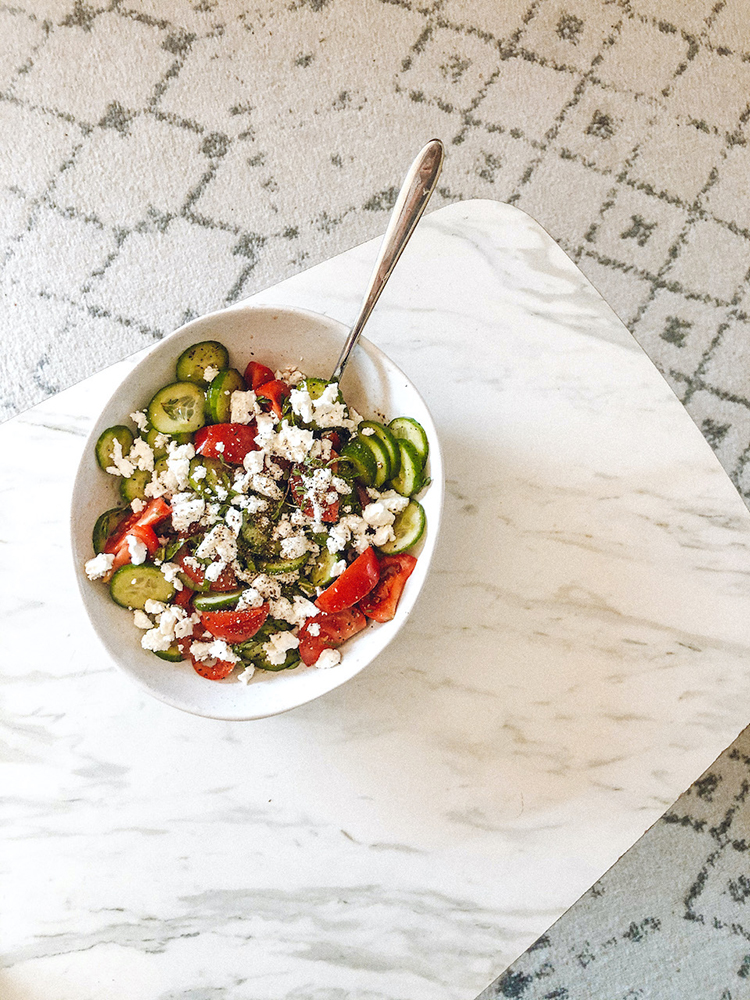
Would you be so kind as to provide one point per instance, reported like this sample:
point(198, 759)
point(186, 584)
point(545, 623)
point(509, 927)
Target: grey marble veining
point(578, 655)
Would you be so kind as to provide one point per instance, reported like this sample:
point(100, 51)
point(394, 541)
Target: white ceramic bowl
point(276, 337)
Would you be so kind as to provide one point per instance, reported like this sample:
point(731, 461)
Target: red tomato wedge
point(275, 392)
point(331, 631)
point(156, 510)
point(257, 375)
point(330, 509)
point(381, 603)
point(212, 670)
point(228, 441)
point(196, 574)
point(235, 626)
point(356, 581)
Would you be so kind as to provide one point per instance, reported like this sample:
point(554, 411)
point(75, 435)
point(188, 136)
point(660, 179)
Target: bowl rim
point(437, 490)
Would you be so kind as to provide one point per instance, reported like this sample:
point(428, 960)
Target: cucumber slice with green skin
point(322, 572)
point(407, 429)
point(192, 363)
point(382, 459)
point(214, 601)
point(307, 588)
point(362, 461)
point(134, 487)
point(159, 450)
point(277, 567)
point(105, 444)
point(178, 408)
point(410, 477)
point(219, 395)
point(217, 475)
point(387, 440)
point(408, 528)
point(106, 525)
point(315, 387)
point(255, 533)
point(173, 654)
point(261, 662)
point(131, 586)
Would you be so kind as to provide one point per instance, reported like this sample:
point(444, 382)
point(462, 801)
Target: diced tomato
point(333, 437)
point(146, 534)
point(329, 509)
point(381, 603)
point(196, 574)
point(356, 581)
point(275, 392)
point(331, 630)
point(362, 495)
point(257, 375)
point(156, 510)
point(235, 626)
point(184, 599)
point(115, 540)
point(228, 441)
point(212, 670)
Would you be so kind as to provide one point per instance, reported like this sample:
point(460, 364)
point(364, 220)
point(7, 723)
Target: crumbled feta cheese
point(249, 598)
point(199, 472)
point(367, 432)
point(295, 613)
point(313, 629)
point(338, 567)
point(253, 462)
point(99, 566)
point(142, 455)
point(186, 510)
point(393, 501)
point(140, 420)
point(210, 372)
point(243, 407)
point(137, 550)
point(291, 375)
point(295, 546)
point(169, 572)
point(153, 607)
point(155, 640)
point(278, 645)
point(233, 518)
point(247, 674)
point(376, 514)
point(218, 543)
point(218, 649)
point(265, 430)
point(120, 466)
point(268, 588)
point(219, 446)
point(292, 443)
point(141, 619)
point(266, 486)
point(328, 658)
point(137, 505)
point(341, 485)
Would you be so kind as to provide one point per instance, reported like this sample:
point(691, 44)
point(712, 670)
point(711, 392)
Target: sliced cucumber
point(407, 429)
point(178, 408)
point(219, 395)
point(173, 654)
point(408, 529)
point(410, 478)
point(277, 567)
point(362, 461)
point(216, 475)
point(131, 586)
point(214, 601)
point(381, 456)
point(322, 572)
point(106, 525)
point(315, 387)
point(106, 441)
point(134, 487)
point(291, 660)
point(192, 363)
point(386, 438)
point(255, 533)
point(159, 450)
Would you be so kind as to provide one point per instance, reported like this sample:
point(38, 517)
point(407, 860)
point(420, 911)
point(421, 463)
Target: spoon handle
point(411, 202)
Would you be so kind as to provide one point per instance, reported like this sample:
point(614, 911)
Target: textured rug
point(162, 158)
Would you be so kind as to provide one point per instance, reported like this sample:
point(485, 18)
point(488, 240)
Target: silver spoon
point(411, 202)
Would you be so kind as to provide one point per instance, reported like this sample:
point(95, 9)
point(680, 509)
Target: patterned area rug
point(160, 158)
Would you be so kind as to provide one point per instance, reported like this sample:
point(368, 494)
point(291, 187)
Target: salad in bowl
point(255, 524)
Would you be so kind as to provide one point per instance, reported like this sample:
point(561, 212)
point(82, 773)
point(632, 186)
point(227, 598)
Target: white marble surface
point(579, 654)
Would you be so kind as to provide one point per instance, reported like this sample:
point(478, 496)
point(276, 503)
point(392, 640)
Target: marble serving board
point(579, 654)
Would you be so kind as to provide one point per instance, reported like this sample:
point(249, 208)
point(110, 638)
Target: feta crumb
point(137, 505)
point(366, 431)
point(209, 373)
point(186, 510)
point(249, 598)
point(313, 629)
point(169, 572)
point(137, 550)
point(246, 674)
point(215, 650)
point(278, 645)
point(99, 566)
point(155, 640)
point(376, 514)
point(219, 446)
point(153, 607)
point(140, 420)
point(142, 620)
point(327, 659)
point(243, 407)
point(120, 466)
point(142, 455)
point(338, 568)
